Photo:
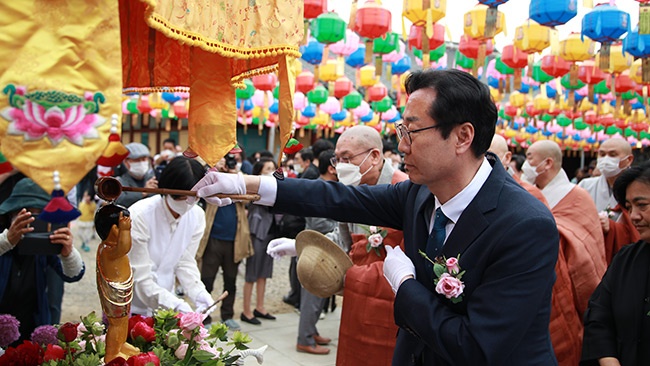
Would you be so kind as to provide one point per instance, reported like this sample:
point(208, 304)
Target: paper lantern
point(386, 44)
point(538, 74)
point(352, 100)
point(401, 66)
point(470, 47)
point(312, 53)
point(475, 23)
point(265, 82)
point(591, 75)
point(342, 87)
point(299, 101)
point(314, 8)
point(318, 95)
point(622, 83)
point(433, 55)
point(605, 24)
point(328, 28)
point(618, 61)
point(463, 61)
point(328, 72)
point(367, 76)
point(638, 45)
point(420, 12)
point(552, 12)
point(357, 58)
point(382, 105)
point(376, 92)
point(576, 48)
point(346, 46)
point(555, 66)
point(371, 21)
point(305, 82)
point(331, 106)
point(417, 34)
point(531, 37)
point(516, 59)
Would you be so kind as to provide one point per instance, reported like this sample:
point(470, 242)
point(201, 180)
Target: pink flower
point(189, 321)
point(181, 351)
point(449, 286)
point(205, 346)
point(375, 240)
point(452, 265)
point(372, 229)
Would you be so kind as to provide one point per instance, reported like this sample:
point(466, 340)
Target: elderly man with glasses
point(482, 295)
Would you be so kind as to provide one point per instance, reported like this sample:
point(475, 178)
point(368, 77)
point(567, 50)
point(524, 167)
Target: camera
point(231, 162)
point(38, 241)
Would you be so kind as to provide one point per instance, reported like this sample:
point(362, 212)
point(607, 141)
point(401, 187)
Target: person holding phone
point(23, 272)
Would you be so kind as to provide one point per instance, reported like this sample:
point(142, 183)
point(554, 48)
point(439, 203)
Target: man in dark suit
point(504, 239)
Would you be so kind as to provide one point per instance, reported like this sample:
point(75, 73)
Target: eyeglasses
point(404, 131)
point(345, 160)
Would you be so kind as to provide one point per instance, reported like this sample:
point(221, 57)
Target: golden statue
point(115, 279)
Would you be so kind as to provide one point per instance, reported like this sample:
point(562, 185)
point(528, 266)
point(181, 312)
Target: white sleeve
point(268, 191)
point(146, 290)
point(187, 270)
point(72, 264)
point(5, 245)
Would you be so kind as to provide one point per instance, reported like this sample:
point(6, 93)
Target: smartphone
point(38, 241)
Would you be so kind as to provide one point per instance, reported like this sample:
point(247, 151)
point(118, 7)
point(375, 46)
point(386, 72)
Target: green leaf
point(439, 269)
point(368, 247)
point(460, 275)
point(383, 233)
point(86, 359)
point(456, 300)
point(203, 356)
point(378, 252)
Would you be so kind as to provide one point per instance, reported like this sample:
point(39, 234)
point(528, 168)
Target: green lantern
point(328, 28)
point(464, 61)
point(132, 106)
point(597, 128)
point(563, 120)
point(601, 88)
point(566, 83)
point(434, 55)
point(539, 75)
point(164, 113)
point(503, 68)
point(503, 115)
point(546, 117)
point(612, 130)
point(644, 135)
point(255, 121)
point(629, 95)
point(382, 105)
point(318, 95)
point(630, 132)
point(276, 92)
point(247, 92)
point(386, 44)
point(579, 124)
point(352, 100)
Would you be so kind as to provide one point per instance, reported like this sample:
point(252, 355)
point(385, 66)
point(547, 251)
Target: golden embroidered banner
point(250, 37)
point(61, 82)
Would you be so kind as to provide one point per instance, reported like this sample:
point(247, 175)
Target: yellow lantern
point(532, 37)
point(328, 71)
point(574, 48)
point(542, 103)
point(638, 116)
point(321, 118)
point(509, 133)
point(494, 92)
point(636, 72)
point(618, 62)
point(586, 105)
point(419, 13)
point(517, 99)
point(367, 76)
point(475, 23)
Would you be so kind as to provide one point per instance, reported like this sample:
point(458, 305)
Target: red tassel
point(58, 210)
point(5, 165)
point(115, 151)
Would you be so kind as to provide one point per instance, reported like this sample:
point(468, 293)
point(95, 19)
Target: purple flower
point(45, 334)
point(8, 330)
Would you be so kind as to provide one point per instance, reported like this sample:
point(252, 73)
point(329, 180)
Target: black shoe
point(252, 320)
point(287, 300)
point(263, 316)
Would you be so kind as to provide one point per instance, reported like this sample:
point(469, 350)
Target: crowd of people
point(485, 257)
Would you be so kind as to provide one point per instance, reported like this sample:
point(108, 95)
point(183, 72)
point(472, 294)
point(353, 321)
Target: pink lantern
point(361, 110)
point(554, 128)
point(390, 114)
point(262, 99)
point(395, 56)
point(246, 121)
point(331, 106)
point(125, 109)
point(346, 46)
point(302, 121)
point(180, 109)
point(299, 101)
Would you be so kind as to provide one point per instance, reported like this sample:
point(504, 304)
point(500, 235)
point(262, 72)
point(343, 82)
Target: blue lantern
point(248, 104)
point(401, 66)
point(492, 3)
point(312, 52)
point(340, 116)
point(170, 98)
point(637, 45)
point(552, 12)
point(605, 24)
point(576, 137)
point(524, 88)
point(357, 58)
point(274, 108)
point(550, 92)
point(591, 140)
point(395, 119)
point(547, 133)
point(516, 125)
point(561, 135)
point(368, 117)
point(531, 129)
point(309, 111)
point(638, 105)
point(493, 82)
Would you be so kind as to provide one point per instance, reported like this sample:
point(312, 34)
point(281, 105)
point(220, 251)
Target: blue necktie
point(437, 235)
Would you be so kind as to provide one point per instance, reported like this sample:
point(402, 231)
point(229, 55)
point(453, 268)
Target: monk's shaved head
point(499, 146)
point(363, 137)
point(617, 144)
point(548, 149)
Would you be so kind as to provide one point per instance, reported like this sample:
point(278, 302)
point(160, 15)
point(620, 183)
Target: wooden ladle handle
point(109, 189)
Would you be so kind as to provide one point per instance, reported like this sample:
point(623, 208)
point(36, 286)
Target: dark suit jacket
point(616, 321)
point(508, 246)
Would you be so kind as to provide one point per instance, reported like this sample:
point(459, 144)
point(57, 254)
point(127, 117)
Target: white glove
point(183, 307)
point(397, 266)
point(280, 247)
point(215, 182)
point(204, 301)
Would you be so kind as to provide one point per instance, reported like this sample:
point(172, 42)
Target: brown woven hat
point(321, 264)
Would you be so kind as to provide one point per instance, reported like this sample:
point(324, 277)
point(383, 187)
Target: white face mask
point(608, 166)
point(298, 168)
point(180, 207)
point(350, 174)
point(139, 169)
point(530, 172)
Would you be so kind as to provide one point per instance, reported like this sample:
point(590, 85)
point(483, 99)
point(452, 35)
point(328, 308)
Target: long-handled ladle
point(109, 189)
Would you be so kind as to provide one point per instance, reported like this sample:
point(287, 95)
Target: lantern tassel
point(426, 56)
point(604, 57)
point(645, 70)
point(517, 79)
point(590, 91)
point(379, 66)
point(115, 152)
point(491, 21)
point(368, 55)
point(58, 210)
point(645, 97)
point(480, 57)
point(531, 65)
point(353, 15)
point(305, 34)
point(644, 18)
point(573, 74)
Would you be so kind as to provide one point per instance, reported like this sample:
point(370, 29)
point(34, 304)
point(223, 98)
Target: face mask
point(268, 174)
point(298, 168)
point(139, 169)
point(238, 166)
point(530, 172)
point(608, 166)
point(350, 174)
point(180, 207)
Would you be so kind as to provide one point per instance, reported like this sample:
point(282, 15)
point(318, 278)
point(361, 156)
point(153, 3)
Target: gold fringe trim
point(156, 89)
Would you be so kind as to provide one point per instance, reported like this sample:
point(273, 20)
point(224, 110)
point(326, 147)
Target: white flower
point(375, 240)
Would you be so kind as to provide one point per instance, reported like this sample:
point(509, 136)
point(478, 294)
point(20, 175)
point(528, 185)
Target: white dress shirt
point(163, 250)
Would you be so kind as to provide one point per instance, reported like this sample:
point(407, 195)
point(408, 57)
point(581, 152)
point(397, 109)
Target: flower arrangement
point(375, 236)
point(166, 339)
point(448, 277)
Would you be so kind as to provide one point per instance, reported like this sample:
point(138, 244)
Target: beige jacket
point(243, 244)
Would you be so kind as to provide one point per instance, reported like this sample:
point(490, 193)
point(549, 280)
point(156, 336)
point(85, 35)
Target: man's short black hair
point(640, 173)
point(460, 98)
point(173, 141)
point(325, 160)
point(306, 154)
point(321, 145)
point(181, 173)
